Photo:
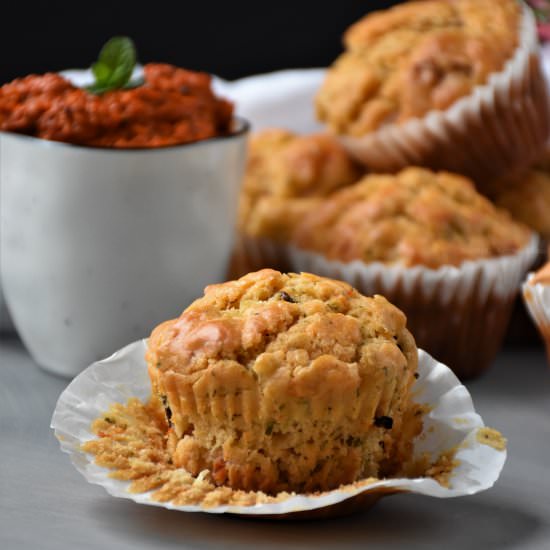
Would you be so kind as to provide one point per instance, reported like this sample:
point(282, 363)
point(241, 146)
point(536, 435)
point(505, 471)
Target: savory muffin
point(285, 175)
point(285, 382)
point(413, 58)
point(453, 85)
point(434, 247)
point(416, 217)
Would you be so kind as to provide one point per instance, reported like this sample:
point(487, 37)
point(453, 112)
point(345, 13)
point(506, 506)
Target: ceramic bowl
point(99, 245)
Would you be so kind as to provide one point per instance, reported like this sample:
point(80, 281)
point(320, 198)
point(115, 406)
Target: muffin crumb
point(492, 438)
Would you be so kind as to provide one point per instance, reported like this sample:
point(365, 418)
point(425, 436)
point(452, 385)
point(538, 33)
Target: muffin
point(536, 294)
point(416, 217)
point(285, 383)
point(527, 195)
point(439, 83)
point(528, 201)
point(285, 177)
point(286, 170)
point(432, 245)
point(527, 198)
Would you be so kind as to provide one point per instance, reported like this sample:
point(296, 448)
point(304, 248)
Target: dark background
point(228, 38)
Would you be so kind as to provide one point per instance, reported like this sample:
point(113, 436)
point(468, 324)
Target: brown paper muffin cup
point(537, 300)
point(500, 128)
point(458, 314)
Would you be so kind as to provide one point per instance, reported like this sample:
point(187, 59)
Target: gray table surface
point(46, 504)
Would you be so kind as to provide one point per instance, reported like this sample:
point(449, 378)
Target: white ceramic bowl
point(100, 245)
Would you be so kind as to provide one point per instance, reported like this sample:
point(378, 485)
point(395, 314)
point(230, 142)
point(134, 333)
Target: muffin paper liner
point(501, 127)
point(450, 423)
point(537, 300)
point(458, 314)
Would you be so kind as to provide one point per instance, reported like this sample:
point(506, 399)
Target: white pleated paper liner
point(502, 126)
point(457, 313)
point(452, 421)
point(537, 300)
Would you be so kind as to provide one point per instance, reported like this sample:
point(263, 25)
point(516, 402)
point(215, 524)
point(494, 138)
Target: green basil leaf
point(115, 65)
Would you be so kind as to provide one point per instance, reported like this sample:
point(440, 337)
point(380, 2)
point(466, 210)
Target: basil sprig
point(114, 67)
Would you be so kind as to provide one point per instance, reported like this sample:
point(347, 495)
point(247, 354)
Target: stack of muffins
point(430, 184)
point(298, 382)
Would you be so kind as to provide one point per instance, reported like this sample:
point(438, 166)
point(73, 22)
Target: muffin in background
point(416, 217)
point(286, 175)
point(527, 198)
point(286, 383)
point(432, 245)
point(527, 195)
point(438, 83)
point(529, 201)
point(286, 170)
point(536, 294)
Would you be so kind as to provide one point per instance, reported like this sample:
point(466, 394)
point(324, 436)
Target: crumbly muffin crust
point(286, 382)
point(286, 174)
point(413, 58)
point(416, 217)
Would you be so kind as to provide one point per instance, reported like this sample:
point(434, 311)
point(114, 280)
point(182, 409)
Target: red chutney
point(172, 107)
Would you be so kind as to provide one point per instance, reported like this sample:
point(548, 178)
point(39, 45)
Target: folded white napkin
point(282, 99)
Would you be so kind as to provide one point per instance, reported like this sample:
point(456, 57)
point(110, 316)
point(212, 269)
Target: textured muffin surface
point(285, 176)
point(416, 217)
point(286, 382)
point(413, 58)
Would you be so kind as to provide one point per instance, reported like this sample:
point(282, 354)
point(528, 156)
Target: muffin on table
point(283, 382)
point(286, 175)
point(438, 83)
point(432, 245)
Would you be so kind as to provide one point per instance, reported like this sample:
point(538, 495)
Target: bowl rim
point(242, 127)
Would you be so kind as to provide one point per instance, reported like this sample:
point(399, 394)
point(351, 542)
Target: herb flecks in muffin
point(287, 297)
point(298, 384)
point(385, 422)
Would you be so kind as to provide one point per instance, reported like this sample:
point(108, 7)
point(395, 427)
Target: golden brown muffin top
point(416, 217)
point(413, 58)
point(285, 174)
point(307, 320)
